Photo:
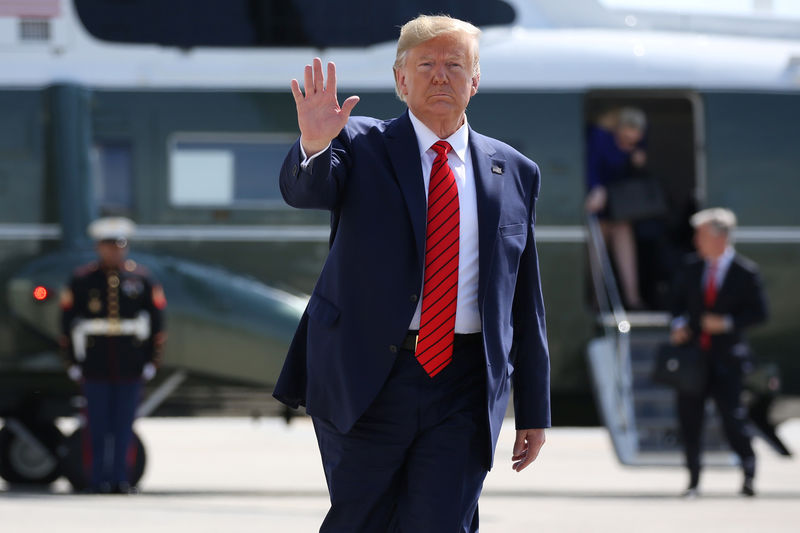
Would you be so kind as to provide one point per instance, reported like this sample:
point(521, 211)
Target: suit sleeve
point(678, 292)
point(753, 308)
point(531, 378)
point(594, 177)
point(321, 184)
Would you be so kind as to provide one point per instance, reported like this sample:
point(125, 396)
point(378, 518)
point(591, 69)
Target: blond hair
point(426, 27)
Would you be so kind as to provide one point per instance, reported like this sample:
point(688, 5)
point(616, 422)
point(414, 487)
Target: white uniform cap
point(723, 220)
point(112, 229)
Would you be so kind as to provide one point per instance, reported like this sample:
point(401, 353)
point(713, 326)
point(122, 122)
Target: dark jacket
point(360, 310)
point(741, 296)
point(116, 298)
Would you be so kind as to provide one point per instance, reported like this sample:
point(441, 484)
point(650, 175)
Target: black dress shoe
point(747, 488)
point(124, 488)
point(691, 493)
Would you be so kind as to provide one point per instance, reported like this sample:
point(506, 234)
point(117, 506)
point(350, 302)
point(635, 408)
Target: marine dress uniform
point(112, 326)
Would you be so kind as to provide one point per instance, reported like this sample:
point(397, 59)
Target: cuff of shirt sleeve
point(308, 160)
point(728, 319)
point(678, 322)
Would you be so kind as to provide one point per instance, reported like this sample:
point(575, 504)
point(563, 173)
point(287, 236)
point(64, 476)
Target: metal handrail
point(609, 304)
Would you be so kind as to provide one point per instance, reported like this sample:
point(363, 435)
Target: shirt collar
point(724, 261)
point(425, 137)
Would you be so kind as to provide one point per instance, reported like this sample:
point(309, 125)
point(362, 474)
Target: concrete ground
point(238, 475)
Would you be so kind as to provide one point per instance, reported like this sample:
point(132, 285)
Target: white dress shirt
point(723, 263)
point(468, 318)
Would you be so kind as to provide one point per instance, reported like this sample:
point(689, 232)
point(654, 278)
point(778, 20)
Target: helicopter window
point(112, 174)
point(229, 172)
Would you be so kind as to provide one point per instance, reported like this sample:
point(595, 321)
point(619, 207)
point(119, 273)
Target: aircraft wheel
point(77, 462)
point(22, 463)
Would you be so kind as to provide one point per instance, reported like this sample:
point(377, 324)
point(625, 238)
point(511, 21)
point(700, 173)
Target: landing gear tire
point(21, 463)
point(77, 463)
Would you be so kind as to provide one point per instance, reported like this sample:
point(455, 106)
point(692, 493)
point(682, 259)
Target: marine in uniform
point(112, 336)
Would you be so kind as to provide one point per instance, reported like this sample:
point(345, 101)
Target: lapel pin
point(497, 169)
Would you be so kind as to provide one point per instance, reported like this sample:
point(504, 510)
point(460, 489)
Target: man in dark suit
point(716, 296)
point(429, 305)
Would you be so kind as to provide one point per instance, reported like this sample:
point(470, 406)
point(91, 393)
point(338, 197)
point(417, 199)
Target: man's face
point(708, 242)
point(111, 253)
point(437, 79)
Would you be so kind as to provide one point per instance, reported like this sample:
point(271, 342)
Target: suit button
point(393, 348)
point(414, 298)
point(294, 170)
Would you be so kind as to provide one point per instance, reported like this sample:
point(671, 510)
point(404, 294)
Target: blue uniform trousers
point(111, 408)
point(416, 460)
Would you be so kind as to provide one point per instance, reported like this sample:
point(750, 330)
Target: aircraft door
point(673, 146)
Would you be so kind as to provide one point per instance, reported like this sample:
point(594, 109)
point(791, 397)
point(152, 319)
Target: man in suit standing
point(429, 304)
point(716, 296)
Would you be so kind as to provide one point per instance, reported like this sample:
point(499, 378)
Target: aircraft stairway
point(640, 415)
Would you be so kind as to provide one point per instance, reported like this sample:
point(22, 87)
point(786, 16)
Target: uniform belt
point(410, 342)
point(138, 327)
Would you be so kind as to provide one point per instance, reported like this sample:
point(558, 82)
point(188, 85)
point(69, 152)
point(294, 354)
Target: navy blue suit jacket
point(359, 312)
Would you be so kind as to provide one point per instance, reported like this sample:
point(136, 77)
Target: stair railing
point(613, 319)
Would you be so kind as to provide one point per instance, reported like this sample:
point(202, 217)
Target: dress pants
point(725, 387)
point(416, 460)
point(111, 408)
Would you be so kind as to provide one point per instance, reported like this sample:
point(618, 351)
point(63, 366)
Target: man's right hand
point(680, 335)
point(318, 113)
point(74, 372)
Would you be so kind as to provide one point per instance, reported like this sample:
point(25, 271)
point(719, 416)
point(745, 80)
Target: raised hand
point(318, 113)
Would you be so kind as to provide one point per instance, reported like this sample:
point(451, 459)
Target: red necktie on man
point(709, 297)
point(440, 287)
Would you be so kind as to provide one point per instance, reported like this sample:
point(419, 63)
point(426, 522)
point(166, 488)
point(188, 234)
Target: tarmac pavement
point(209, 475)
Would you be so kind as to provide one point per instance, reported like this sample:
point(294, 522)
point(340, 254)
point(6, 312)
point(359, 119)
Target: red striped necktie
point(709, 297)
point(440, 287)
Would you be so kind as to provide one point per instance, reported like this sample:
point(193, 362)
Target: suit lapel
point(489, 173)
point(401, 143)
